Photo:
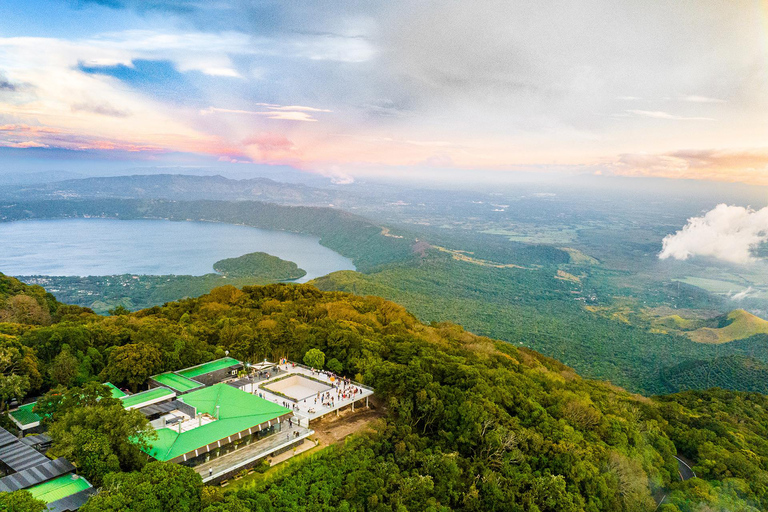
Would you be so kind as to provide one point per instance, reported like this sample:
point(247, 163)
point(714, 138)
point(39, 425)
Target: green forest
point(470, 423)
point(524, 302)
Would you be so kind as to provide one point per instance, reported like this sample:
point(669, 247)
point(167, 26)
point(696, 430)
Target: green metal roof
point(177, 382)
point(116, 392)
point(238, 411)
point(59, 488)
point(139, 399)
point(24, 414)
point(211, 366)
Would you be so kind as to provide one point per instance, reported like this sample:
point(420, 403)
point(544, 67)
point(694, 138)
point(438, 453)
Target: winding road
point(684, 469)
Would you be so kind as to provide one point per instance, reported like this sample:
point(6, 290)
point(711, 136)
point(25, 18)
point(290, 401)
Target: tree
point(20, 501)
point(133, 364)
point(158, 486)
point(64, 368)
point(335, 366)
point(314, 358)
point(93, 430)
point(18, 371)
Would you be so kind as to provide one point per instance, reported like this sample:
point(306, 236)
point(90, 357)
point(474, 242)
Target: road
point(684, 468)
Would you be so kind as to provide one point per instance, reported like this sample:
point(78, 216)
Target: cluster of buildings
point(52, 481)
point(220, 418)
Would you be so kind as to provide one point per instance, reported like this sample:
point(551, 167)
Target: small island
point(259, 265)
point(135, 291)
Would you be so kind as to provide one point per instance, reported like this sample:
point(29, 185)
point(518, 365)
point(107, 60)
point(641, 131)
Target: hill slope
point(471, 424)
point(736, 325)
point(734, 372)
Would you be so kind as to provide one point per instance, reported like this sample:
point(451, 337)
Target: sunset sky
point(351, 88)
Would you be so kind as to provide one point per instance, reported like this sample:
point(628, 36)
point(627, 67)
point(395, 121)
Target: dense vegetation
point(259, 265)
point(533, 305)
point(471, 423)
point(533, 308)
point(729, 372)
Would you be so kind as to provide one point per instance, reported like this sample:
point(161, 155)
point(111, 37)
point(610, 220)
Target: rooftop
point(176, 382)
point(59, 488)
point(24, 415)
point(116, 392)
point(238, 411)
point(210, 366)
point(148, 397)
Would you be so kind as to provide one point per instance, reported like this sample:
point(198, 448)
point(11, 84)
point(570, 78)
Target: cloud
point(298, 108)
point(702, 99)
point(272, 146)
point(438, 160)
point(657, 114)
point(104, 109)
point(746, 165)
point(5, 85)
point(743, 294)
point(276, 112)
point(727, 233)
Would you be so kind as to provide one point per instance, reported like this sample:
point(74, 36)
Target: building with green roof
point(176, 382)
point(212, 372)
point(116, 392)
point(24, 418)
point(226, 417)
point(67, 492)
point(149, 397)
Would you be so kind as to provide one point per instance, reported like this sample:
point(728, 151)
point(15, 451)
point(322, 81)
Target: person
point(210, 472)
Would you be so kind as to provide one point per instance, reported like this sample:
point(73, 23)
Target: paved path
point(242, 456)
point(685, 470)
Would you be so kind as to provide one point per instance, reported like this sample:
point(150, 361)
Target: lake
point(98, 247)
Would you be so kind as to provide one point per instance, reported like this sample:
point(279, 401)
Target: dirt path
point(332, 429)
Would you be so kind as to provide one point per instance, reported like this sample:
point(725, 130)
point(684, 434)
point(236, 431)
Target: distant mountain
point(30, 178)
point(173, 187)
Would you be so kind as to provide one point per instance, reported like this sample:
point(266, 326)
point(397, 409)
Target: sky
point(674, 89)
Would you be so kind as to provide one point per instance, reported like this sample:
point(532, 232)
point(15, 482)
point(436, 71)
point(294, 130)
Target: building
point(51, 481)
point(212, 422)
point(28, 422)
point(195, 377)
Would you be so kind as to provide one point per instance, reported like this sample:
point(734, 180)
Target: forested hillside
point(471, 423)
point(531, 306)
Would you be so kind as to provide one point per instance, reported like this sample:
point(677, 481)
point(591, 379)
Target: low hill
point(259, 265)
point(736, 325)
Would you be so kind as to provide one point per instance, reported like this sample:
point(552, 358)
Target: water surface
point(97, 247)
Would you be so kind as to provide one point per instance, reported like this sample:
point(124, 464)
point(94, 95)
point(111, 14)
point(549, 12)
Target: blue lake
point(97, 247)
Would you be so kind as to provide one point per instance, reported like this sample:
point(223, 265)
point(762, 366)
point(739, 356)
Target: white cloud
point(728, 233)
point(743, 294)
point(702, 99)
point(657, 114)
point(277, 112)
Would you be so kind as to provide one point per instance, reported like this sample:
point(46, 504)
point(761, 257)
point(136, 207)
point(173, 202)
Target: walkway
point(307, 409)
point(241, 457)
